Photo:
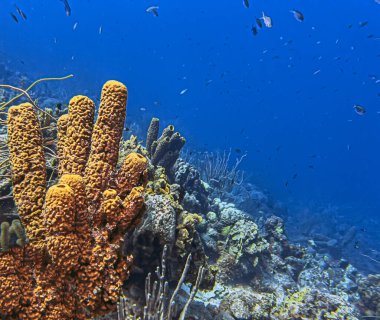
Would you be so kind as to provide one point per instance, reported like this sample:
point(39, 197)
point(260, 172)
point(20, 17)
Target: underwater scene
point(189, 160)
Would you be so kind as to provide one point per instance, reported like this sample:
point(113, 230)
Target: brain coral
point(72, 266)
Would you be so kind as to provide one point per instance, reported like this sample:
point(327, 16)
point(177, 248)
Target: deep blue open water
point(284, 97)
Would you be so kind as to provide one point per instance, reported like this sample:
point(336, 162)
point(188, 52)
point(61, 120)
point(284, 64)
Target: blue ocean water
point(284, 97)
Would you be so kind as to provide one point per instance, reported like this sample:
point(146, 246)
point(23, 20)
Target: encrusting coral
point(72, 267)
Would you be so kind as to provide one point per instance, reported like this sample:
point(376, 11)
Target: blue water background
point(254, 94)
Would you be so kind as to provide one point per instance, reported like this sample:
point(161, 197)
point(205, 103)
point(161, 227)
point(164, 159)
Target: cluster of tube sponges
point(164, 150)
point(72, 266)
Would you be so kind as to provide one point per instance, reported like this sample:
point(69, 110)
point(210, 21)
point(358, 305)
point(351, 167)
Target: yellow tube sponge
point(28, 167)
point(106, 139)
point(82, 221)
point(62, 240)
point(78, 134)
point(62, 125)
point(133, 172)
point(59, 209)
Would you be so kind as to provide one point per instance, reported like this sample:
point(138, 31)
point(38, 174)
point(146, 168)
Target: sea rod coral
point(72, 266)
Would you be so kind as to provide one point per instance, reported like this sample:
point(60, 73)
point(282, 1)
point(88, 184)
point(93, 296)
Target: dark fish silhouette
point(254, 30)
point(259, 23)
point(246, 3)
point(67, 7)
point(298, 15)
point(359, 109)
point(14, 17)
point(20, 12)
point(363, 24)
point(295, 175)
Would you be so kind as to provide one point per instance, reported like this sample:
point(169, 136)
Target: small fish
point(14, 17)
point(183, 91)
point(20, 12)
point(259, 23)
point(295, 176)
point(126, 129)
point(153, 10)
point(75, 26)
point(237, 150)
point(316, 72)
point(246, 3)
point(254, 30)
point(142, 109)
point(349, 26)
point(286, 183)
point(359, 109)
point(311, 166)
point(67, 7)
point(267, 21)
point(363, 24)
point(208, 82)
point(298, 15)
point(100, 29)
point(356, 244)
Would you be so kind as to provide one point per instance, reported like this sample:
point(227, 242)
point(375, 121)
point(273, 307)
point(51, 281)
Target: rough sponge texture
point(73, 266)
point(106, 137)
point(62, 125)
point(28, 167)
point(77, 142)
point(133, 163)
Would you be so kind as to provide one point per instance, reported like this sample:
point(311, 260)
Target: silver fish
point(20, 12)
point(267, 21)
point(153, 10)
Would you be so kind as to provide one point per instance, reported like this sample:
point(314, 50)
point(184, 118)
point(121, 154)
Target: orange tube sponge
point(106, 137)
point(72, 267)
point(28, 167)
point(82, 222)
point(62, 124)
point(78, 134)
point(62, 240)
point(132, 173)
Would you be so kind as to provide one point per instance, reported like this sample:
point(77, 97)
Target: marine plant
point(72, 266)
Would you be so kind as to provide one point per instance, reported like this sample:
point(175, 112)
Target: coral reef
point(91, 238)
point(72, 267)
point(369, 291)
